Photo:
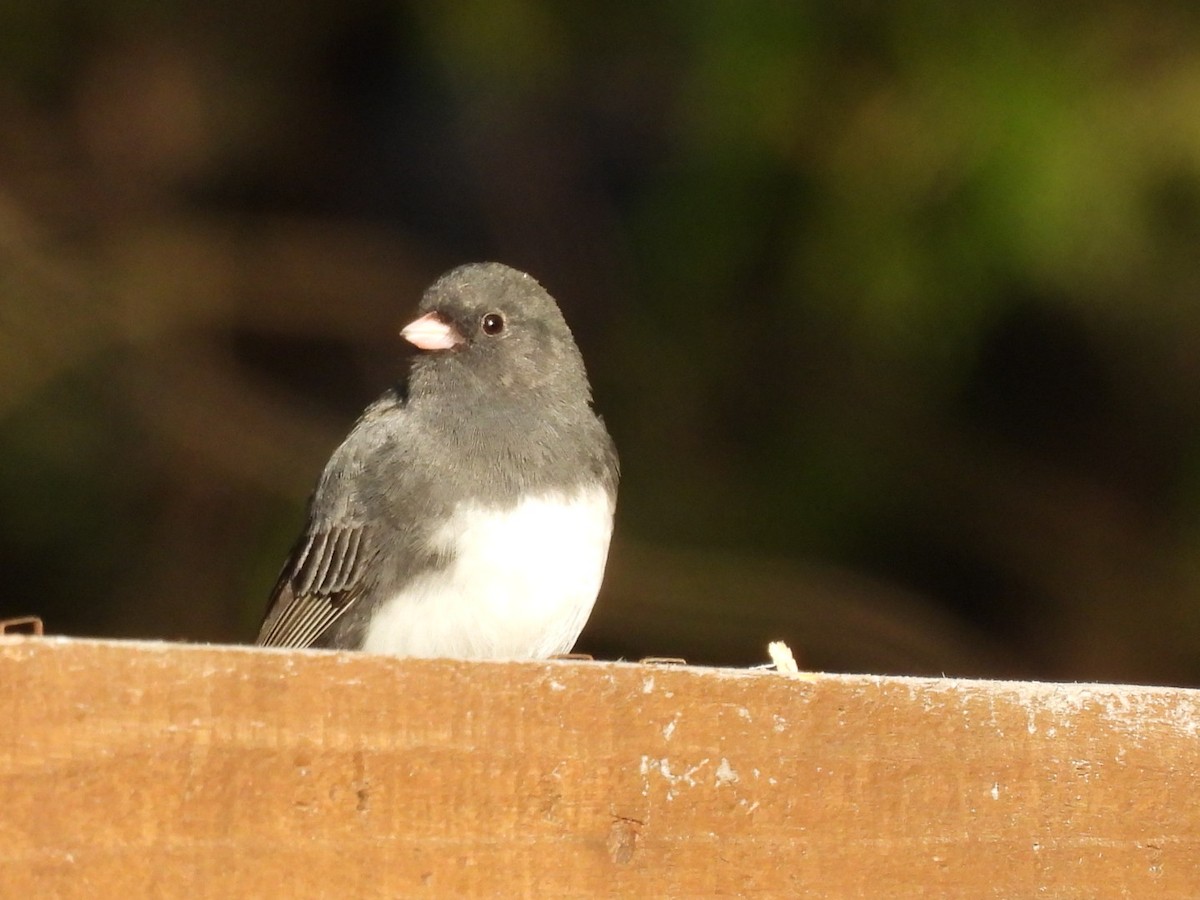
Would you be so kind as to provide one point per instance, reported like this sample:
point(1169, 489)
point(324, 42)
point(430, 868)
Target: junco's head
point(497, 327)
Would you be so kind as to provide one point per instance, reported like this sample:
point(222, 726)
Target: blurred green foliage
point(892, 310)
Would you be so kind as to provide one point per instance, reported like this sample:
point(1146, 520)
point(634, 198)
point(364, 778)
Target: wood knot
point(622, 840)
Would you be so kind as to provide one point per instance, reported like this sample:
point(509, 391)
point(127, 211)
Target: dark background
point(894, 311)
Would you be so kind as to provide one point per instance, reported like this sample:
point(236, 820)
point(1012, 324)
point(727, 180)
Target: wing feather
point(320, 582)
point(327, 572)
point(348, 548)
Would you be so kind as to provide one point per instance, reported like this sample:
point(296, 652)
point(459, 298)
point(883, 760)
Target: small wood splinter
point(785, 663)
point(781, 656)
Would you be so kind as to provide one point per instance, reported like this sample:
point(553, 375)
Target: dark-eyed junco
point(468, 512)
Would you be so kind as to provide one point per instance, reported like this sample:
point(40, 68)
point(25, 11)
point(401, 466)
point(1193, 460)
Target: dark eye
point(493, 323)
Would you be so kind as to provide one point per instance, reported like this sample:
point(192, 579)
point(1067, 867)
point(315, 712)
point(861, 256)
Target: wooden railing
point(166, 770)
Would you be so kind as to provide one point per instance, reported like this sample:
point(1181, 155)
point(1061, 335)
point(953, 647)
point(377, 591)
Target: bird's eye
point(493, 323)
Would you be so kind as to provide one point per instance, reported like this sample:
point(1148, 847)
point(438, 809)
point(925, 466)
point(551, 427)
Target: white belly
point(521, 585)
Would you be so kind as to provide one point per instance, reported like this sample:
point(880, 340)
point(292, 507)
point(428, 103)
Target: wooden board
point(155, 770)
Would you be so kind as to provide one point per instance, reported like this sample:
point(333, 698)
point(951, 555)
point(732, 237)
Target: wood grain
point(155, 770)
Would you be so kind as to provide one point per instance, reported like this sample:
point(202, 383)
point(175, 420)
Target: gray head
point(495, 333)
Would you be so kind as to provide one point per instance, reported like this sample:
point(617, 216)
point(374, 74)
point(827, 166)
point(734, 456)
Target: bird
point(468, 513)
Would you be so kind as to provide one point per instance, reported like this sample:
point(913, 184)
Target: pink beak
point(431, 332)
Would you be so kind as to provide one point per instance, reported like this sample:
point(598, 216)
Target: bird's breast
point(521, 581)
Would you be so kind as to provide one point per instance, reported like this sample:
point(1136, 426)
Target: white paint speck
point(669, 729)
point(725, 774)
point(648, 685)
point(675, 779)
point(996, 791)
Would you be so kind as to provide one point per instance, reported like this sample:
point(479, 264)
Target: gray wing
point(321, 580)
point(330, 568)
